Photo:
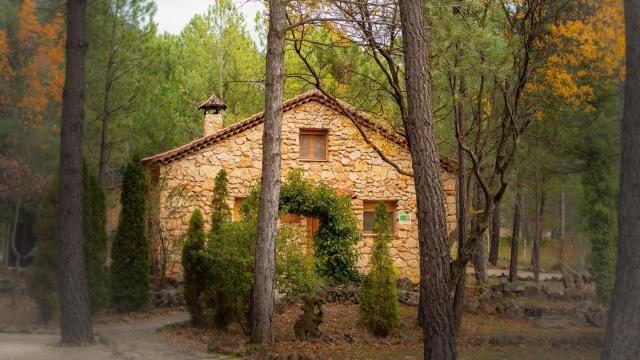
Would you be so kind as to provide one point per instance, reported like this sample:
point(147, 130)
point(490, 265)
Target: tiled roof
point(257, 119)
point(213, 102)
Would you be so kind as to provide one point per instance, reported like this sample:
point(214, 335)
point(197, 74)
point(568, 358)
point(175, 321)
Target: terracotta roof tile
point(213, 102)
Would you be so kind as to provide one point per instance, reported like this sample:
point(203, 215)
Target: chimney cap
point(213, 103)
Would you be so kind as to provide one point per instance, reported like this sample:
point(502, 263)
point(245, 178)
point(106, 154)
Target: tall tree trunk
point(525, 225)
point(75, 318)
point(438, 329)
point(535, 252)
point(458, 300)
point(16, 253)
point(562, 256)
point(106, 115)
point(479, 258)
point(513, 263)
point(623, 329)
point(495, 235)
point(262, 315)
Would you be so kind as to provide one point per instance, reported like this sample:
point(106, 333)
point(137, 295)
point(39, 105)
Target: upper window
point(313, 144)
point(369, 215)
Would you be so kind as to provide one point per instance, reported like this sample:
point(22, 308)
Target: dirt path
point(134, 340)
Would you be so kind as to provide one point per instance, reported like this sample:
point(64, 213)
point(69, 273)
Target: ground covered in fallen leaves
point(483, 337)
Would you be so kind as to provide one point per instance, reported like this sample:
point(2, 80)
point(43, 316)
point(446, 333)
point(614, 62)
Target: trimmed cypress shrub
point(379, 308)
point(42, 275)
point(194, 269)
point(130, 263)
point(95, 242)
point(220, 211)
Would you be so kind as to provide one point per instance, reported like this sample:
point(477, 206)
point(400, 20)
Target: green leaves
point(338, 232)
point(379, 307)
point(130, 257)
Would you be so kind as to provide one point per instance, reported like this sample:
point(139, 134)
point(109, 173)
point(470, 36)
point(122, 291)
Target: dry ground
point(483, 337)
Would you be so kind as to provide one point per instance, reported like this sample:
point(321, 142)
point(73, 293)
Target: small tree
point(130, 251)
point(95, 242)
point(379, 308)
point(220, 211)
point(194, 269)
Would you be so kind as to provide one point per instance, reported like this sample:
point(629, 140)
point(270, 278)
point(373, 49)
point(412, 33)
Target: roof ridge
point(313, 94)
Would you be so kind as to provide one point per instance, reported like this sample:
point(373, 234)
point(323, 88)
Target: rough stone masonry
point(183, 178)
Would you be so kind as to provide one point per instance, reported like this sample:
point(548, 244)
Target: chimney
point(213, 109)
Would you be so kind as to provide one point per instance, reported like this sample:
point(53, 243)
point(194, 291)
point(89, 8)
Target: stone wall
point(352, 167)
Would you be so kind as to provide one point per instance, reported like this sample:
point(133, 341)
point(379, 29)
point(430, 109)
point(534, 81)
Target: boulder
point(408, 297)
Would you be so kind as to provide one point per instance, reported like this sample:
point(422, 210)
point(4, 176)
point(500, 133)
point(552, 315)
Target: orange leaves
point(40, 54)
point(587, 52)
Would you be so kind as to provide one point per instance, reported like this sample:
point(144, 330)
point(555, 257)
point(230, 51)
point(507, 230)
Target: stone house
point(318, 137)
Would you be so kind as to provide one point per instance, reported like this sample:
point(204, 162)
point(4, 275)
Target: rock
point(533, 311)
point(214, 348)
point(349, 338)
point(513, 310)
point(407, 285)
point(514, 288)
point(550, 323)
point(167, 298)
point(597, 318)
point(471, 305)
point(405, 338)
point(409, 297)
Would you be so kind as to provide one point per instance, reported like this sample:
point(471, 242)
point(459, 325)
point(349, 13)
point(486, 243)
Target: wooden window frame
point(236, 214)
point(314, 131)
point(392, 208)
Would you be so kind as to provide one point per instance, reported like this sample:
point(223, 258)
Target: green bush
point(193, 266)
point(338, 232)
point(220, 211)
point(130, 266)
point(230, 257)
point(379, 308)
point(42, 275)
point(95, 243)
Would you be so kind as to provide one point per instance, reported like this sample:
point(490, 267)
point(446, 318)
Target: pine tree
point(130, 251)
point(220, 211)
point(194, 268)
point(95, 242)
point(379, 308)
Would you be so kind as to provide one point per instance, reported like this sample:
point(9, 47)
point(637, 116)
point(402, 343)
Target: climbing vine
point(338, 232)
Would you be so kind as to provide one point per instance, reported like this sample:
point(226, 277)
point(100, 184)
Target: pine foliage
point(220, 211)
point(95, 242)
point(130, 266)
point(379, 307)
point(193, 265)
point(42, 275)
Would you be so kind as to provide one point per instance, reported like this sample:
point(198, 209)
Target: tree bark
point(535, 251)
point(479, 258)
point(262, 315)
point(562, 256)
point(623, 329)
point(513, 263)
point(438, 329)
point(495, 235)
point(108, 84)
point(458, 300)
point(75, 318)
